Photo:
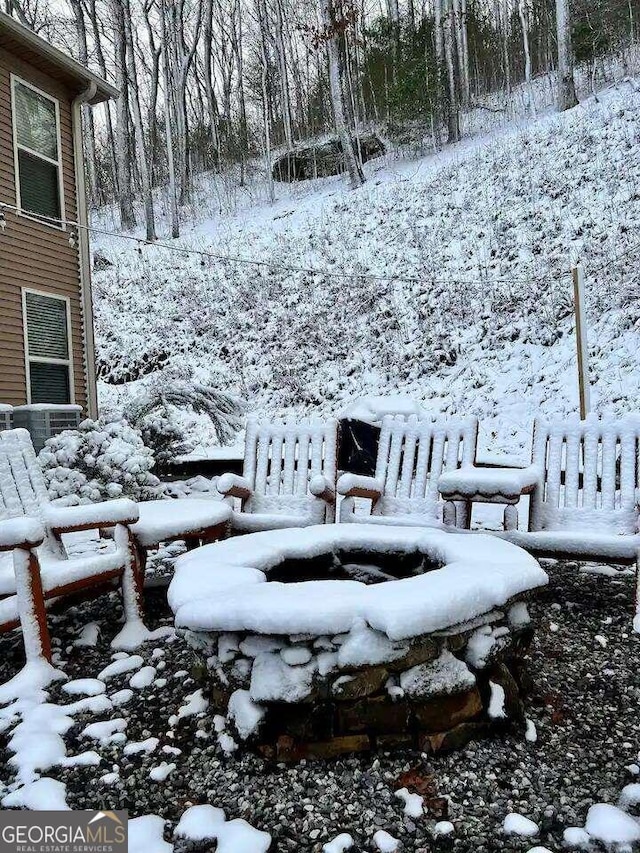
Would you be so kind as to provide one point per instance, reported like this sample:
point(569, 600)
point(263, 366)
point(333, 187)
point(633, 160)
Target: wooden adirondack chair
point(412, 454)
point(585, 504)
point(50, 571)
point(288, 478)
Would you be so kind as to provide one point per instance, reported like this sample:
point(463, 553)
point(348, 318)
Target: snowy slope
point(486, 233)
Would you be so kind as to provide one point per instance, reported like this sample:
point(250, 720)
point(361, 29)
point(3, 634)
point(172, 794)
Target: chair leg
point(511, 517)
point(449, 514)
point(141, 555)
point(132, 576)
point(33, 614)
point(347, 510)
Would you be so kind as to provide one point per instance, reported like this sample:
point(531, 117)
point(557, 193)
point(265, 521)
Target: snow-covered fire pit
point(341, 638)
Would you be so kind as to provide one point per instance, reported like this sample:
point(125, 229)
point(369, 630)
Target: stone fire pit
point(342, 638)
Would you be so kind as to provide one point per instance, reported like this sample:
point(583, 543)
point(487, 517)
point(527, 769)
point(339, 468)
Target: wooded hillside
point(216, 84)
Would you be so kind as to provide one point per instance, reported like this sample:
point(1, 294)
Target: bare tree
point(524, 14)
point(143, 159)
point(264, 86)
point(331, 27)
point(284, 75)
point(566, 84)
point(123, 150)
point(89, 135)
point(213, 83)
point(168, 126)
point(211, 99)
point(461, 47)
point(453, 112)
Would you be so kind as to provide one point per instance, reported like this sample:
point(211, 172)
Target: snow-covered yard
point(473, 313)
point(131, 731)
point(446, 280)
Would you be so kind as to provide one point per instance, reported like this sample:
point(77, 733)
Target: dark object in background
point(323, 158)
point(185, 468)
point(358, 447)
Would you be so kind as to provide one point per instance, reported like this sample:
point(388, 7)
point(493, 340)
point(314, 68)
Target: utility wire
point(204, 253)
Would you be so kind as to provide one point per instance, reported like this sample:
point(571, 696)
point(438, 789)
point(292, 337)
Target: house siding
point(33, 255)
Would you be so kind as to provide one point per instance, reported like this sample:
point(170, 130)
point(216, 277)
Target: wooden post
point(581, 341)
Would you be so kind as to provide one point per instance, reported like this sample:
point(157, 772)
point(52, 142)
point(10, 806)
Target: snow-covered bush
point(98, 461)
point(153, 412)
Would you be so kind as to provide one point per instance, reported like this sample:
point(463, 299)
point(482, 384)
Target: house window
point(47, 346)
point(36, 131)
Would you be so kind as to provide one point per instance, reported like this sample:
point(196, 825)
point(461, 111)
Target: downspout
point(84, 257)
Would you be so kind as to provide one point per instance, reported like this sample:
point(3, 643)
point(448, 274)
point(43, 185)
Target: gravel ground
point(584, 705)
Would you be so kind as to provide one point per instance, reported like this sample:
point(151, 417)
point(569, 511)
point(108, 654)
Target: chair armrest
point(320, 487)
point(358, 486)
point(470, 481)
point(24, 533)
point(67, 519)
point(234, 486)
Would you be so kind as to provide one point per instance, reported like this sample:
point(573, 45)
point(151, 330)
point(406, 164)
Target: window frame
point(68, 362)
point(17, 147)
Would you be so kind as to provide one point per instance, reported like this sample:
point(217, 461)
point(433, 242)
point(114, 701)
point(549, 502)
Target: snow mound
point(517, 824)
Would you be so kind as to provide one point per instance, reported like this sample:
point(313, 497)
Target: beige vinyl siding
point(34, 255)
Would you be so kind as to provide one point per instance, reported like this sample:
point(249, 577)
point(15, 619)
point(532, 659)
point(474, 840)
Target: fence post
point(581, 341)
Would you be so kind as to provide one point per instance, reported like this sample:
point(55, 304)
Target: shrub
point(153, 412)
point(100, 460)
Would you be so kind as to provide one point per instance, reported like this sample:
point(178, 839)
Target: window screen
point(49, 383)
point(36, 130)
point(48, 348)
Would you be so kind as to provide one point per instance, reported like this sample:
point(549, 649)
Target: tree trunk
point(393, 13)
point(123, 152)
point(453, 114)
point(465, 51)
point(327, 17)
point(566, 85)
point(505, 46)
point(264, 81)
point(89, 136)
point(173, 196)
point(463, 69)
point(440, 67)
point(123, 8)
point(523, 11)
point(242, 106)
point(212, 102)
point(111, 146)
point(284, 76)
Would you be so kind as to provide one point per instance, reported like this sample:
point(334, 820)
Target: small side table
point(193, 520)
point(490, 486)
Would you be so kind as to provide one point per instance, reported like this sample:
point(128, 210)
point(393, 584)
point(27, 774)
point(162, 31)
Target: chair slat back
point(412, 454)
point(23, 483)
point(591, 475)
point(10, 503)
point(281, 459)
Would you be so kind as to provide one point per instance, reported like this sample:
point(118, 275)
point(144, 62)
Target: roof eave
point(104, 91)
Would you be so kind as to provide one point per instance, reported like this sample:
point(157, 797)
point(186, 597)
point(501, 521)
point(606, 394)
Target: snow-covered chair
point(50, 571)
point(585, 505)
point(288, 477)
point(412, 454)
